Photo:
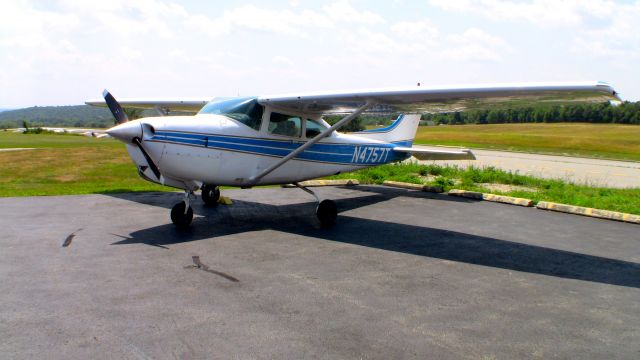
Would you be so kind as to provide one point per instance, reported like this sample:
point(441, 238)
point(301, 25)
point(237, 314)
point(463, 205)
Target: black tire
point(181, 219)
point(327, 213)
point(210, 195)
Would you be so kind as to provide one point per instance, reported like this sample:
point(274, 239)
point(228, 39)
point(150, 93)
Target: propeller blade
point(152, 165)
point(114, 106)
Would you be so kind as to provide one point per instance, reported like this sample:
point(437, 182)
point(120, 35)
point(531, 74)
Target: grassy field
point(592, 140)
point(624, 200)
point(66, 164)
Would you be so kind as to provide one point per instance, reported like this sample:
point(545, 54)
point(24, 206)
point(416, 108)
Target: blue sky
point(66, 51)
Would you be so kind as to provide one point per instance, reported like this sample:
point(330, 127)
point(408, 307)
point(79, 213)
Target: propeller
point(116, 109)
point(152, 165)
point(124, 132)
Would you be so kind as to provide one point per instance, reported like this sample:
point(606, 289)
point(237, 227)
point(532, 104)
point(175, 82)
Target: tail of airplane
point(401, 132)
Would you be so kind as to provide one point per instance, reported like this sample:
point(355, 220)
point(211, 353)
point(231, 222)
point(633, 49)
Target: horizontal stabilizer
point(429, 154)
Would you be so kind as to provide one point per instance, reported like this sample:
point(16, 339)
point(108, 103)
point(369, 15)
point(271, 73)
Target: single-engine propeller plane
point(280, 139)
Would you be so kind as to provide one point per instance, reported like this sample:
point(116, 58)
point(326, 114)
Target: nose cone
point(127, 131)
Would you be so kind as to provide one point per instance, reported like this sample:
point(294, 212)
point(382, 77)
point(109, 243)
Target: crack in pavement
point(199, 265)
point(67, 241)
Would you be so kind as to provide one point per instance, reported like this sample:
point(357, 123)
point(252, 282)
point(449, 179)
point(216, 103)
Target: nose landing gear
point(182, 213)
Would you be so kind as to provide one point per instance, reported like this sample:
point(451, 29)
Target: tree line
point(625, 113)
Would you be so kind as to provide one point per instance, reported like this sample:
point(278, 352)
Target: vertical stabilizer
point(402, 131)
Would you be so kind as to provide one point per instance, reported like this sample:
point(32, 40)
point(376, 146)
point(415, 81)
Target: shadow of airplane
point(246, 216)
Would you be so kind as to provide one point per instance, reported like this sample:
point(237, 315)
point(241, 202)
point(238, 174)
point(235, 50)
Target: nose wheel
point(182, 213)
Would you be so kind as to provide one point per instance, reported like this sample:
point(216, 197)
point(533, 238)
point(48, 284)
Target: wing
point(429, 154)
point(422, 99)
point(191, 105)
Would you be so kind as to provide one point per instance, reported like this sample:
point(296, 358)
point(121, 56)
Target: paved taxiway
point(403, 275)
point(596, 172)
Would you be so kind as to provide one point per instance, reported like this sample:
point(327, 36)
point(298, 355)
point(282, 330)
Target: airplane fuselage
point(214, 149)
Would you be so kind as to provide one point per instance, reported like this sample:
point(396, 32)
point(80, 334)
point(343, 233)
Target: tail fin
point(401, 132)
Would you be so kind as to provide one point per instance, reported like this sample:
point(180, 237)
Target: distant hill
point(64, 116)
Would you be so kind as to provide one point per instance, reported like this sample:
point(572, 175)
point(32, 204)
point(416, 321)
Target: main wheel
point(181, 219)
point(327, 212)
point(210, 194)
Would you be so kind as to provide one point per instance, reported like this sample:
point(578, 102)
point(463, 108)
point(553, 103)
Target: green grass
point(623, 200)
point(41, 141)
point(612, 141)
point(66, 164)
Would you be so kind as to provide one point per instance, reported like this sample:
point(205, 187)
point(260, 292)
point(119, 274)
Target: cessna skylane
point(282, 139)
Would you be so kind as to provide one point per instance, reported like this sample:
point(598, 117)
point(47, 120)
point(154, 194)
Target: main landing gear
point(182, 213)
point(210, 194)
point(327, 211)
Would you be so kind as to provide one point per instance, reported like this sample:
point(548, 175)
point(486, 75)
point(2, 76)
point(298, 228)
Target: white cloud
point(23, 26)
point(416, 29)
point(251, 17)
point(564, 12)
point(127, 17)
point(475, 45)
point(620, 38)
point(285, 22)
point(67, 50)
point(343, 12)
point(279, 59)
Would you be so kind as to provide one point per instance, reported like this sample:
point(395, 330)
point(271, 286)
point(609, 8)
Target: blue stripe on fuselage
point(323, 152)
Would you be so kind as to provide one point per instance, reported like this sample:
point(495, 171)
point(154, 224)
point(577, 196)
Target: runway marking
point(67, 241)
point(199, 265)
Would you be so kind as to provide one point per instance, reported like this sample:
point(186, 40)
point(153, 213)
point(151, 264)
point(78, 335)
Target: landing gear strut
point(210, 194)
point(182, 213)
point(327, 211)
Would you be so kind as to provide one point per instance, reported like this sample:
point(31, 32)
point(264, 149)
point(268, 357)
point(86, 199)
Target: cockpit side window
point(285, 125)
point(246, 111)
point(313, 129)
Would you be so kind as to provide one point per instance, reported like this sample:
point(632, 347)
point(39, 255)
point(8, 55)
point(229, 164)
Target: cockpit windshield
point(245, 110)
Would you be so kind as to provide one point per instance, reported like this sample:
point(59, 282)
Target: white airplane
point(283, 139)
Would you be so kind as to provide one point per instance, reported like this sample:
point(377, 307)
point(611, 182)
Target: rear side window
point(285, 125)
point(314, 128)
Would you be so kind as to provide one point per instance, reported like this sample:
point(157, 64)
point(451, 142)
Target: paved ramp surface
point(404, 275)
point(595, 172)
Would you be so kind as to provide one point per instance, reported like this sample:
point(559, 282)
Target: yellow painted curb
point(597, 213)
point(224, 200)
point(410, 186)
point(339, 182)
point(465, 193)
point(508, 200)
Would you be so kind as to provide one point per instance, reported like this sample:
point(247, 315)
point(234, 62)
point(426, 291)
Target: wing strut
point(345, 120)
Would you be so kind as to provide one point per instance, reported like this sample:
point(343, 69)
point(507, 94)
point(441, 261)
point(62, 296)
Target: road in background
point(596, 172)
